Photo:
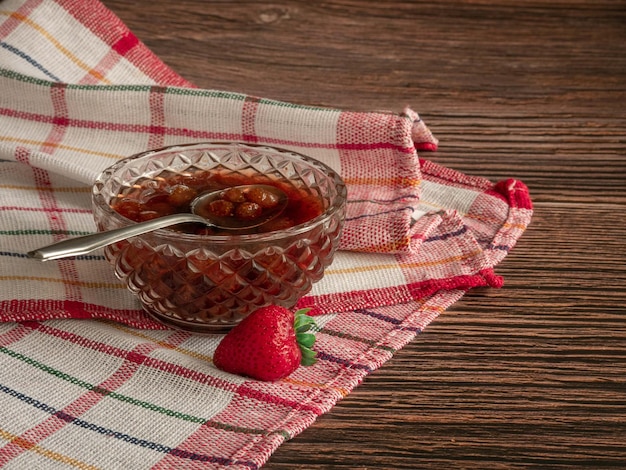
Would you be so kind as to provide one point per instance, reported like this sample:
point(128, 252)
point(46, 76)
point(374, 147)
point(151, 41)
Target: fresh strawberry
point(268, 344)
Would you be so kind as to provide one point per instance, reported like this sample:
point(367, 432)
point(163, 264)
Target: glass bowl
point(196, 280)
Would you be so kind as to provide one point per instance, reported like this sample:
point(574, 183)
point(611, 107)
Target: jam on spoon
point(241, 207)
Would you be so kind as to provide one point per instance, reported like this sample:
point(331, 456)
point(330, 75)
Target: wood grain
point(528, 376)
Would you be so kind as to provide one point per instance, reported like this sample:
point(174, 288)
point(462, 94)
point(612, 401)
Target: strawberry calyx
point(303, 325)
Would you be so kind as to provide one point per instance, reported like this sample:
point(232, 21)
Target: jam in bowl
point(206, 279)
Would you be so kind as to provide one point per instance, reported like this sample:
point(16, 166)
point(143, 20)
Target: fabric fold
point(79, 130)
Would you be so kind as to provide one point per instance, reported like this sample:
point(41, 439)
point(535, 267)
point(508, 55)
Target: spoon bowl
point(240, 207)
point(236, 208)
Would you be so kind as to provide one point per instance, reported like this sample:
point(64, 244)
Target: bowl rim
point(337, 203)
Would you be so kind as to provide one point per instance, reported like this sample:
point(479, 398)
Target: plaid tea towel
point(116, 390)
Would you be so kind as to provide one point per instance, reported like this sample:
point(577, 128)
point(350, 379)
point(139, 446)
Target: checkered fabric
point(87, 379)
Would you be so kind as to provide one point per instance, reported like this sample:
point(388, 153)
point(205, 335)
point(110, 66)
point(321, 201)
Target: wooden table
point(529, 376)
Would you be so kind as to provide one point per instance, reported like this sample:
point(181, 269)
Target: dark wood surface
point(529, 376)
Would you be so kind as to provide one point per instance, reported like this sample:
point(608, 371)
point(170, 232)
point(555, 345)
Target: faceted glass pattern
point(208, 283)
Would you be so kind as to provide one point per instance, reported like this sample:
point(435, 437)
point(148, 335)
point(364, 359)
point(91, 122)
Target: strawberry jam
point(152, 198)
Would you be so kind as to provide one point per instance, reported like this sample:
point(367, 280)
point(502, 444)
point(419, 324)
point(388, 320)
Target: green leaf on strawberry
point(269, 344)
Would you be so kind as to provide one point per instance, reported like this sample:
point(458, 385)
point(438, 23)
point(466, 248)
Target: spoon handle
point(88, 243)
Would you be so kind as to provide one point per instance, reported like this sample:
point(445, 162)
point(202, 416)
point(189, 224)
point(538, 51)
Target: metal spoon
point(88, 243)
